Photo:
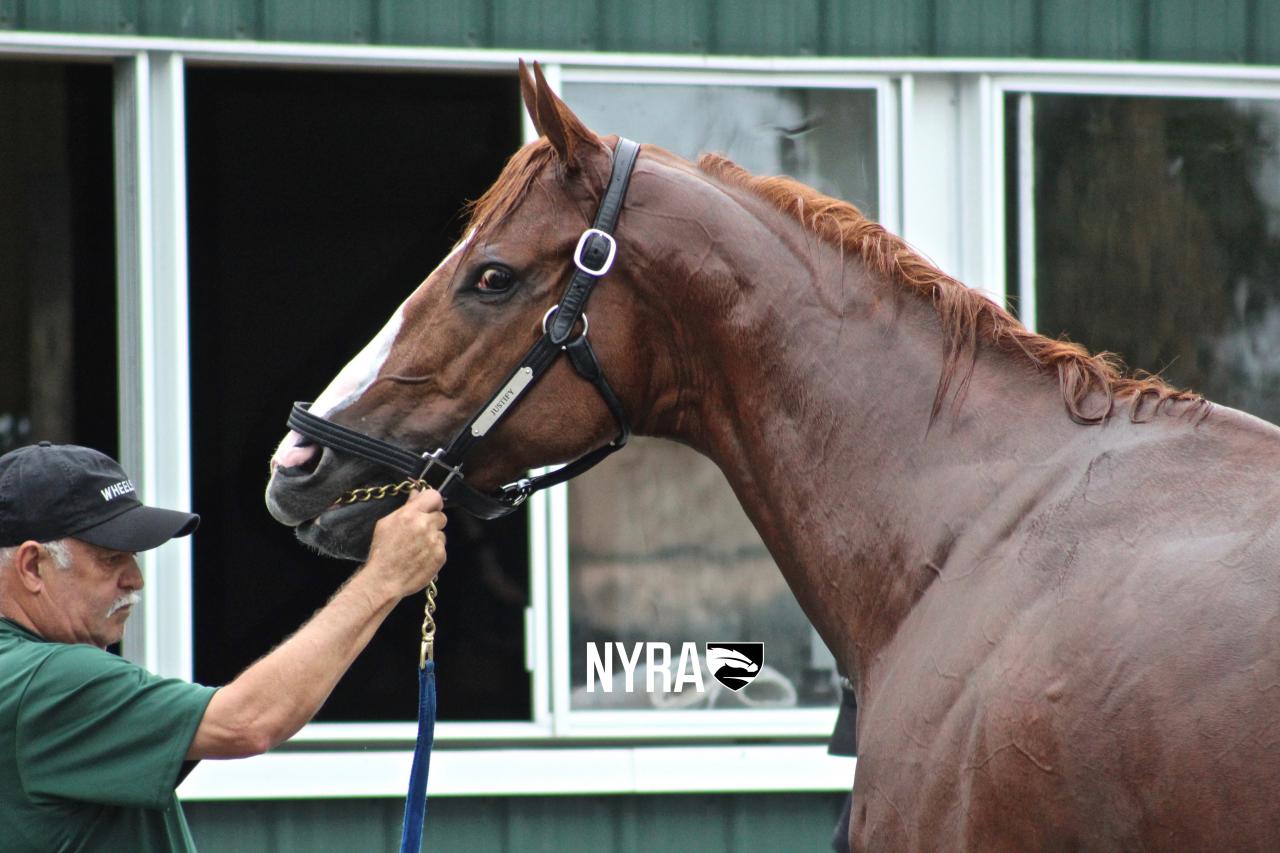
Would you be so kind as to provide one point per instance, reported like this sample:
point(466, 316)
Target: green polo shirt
point(91, 747)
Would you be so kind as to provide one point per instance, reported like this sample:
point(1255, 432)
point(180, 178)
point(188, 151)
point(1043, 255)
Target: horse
point(1054, 585)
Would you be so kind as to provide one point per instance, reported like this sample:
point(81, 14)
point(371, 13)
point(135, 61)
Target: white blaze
point(354, 379)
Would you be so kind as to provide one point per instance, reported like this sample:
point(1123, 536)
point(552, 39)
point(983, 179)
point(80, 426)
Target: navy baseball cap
point(51, 491)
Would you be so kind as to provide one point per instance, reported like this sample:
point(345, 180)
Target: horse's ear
point(529, 92)
point(552, 117)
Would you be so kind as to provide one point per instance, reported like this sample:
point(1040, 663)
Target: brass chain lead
point(426, 651)
point(377, 493)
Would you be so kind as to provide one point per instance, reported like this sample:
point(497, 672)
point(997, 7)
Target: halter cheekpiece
point(442, 469)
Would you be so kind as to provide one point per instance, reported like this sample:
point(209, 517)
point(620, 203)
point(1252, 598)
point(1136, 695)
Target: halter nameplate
point(501, 401)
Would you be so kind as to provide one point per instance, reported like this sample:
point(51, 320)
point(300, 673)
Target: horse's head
point(458, 336)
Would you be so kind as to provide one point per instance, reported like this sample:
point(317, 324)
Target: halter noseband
point(442, 470)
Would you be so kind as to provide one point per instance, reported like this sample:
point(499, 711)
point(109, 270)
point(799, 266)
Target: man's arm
point(271, 700)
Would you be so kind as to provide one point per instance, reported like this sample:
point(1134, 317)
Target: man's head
point(70, 525)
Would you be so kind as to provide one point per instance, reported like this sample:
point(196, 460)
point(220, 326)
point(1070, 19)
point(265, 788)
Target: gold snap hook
point(427, 650)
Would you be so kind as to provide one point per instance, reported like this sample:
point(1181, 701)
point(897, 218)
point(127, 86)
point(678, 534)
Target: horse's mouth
point(343, 508)
point(336, 525)
point(345, 530)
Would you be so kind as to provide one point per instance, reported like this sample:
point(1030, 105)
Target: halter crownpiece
point(442, 469)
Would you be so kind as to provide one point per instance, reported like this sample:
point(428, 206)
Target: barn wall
point(1208, 31)
point(779, 823)
point(1220, 31)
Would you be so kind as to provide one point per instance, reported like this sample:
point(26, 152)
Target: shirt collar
point(8, 624)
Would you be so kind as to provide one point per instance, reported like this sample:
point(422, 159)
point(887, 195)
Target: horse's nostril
point(298, 460)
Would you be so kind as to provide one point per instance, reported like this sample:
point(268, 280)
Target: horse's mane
point(967, 316)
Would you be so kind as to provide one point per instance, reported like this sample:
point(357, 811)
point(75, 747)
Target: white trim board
point(1126, 84)
point(524, 772)
point(503, 59)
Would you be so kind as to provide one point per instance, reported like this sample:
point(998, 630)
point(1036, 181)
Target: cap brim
point(140, 529)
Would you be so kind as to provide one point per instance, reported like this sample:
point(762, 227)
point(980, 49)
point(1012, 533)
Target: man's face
point(94, 597)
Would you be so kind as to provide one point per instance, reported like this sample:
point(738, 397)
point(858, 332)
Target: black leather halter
point(442, 470)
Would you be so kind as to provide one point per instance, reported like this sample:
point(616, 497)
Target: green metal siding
point(877, 28)
point(344, 21)
point(551, 24)
point(657, 26)
point(986, 28)
point(778, 823)
point(1094, 29)
point(1194, 30)
point(790, 28)
point(1230, 31)
point(454, 24)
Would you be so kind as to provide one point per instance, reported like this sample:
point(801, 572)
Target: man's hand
point(408, 545)
point(276, 696)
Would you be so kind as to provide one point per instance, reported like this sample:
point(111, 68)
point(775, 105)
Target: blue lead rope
point(415, 804)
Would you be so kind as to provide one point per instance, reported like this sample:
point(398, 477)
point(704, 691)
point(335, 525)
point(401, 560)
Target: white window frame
point(709, 724)
point(155, 395)
point(1026, 86)
point(941, 126)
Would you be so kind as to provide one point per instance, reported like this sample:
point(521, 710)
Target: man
point(92, 746)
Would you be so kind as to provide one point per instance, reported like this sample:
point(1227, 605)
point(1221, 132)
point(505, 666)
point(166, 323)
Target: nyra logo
point(655, 668)
point(735, 665)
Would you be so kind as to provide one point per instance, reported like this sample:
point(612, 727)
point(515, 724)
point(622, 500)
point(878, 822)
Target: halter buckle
point(520, 489)
point(435, 459)
point(582, 244)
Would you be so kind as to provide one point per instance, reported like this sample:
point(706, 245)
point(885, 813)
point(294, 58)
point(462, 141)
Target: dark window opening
point(317, 201)
point(57, 256)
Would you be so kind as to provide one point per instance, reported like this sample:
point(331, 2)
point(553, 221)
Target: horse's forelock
point(509, 190)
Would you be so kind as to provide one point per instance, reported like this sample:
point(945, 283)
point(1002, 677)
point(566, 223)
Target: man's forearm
point(275, 697)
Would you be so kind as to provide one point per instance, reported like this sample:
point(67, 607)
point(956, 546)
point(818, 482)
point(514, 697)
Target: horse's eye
point(495, 280)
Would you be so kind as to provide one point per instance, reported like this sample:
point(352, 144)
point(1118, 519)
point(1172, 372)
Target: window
point(1154, 232)
point(57, 256)
point(659, 549)
point(318, 200)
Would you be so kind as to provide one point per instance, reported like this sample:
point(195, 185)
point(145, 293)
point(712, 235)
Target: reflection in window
point(660, 550)
point(825, 138)
point(57, 256)
point(1157, 228)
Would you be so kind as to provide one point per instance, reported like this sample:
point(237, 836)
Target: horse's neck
point(815, 398)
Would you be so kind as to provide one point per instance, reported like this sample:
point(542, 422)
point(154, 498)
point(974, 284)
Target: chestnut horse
point(1056, 588)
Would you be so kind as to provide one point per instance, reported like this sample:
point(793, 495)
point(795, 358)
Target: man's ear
point(27, 565)
point(552, 118)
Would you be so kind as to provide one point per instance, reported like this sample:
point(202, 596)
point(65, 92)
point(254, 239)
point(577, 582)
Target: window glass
point(318, 201)
point(1157, 233)
point(57, 256)
point(660, 550)
point(825, 138)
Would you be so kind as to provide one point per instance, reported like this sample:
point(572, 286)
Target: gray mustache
point(124, 601)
